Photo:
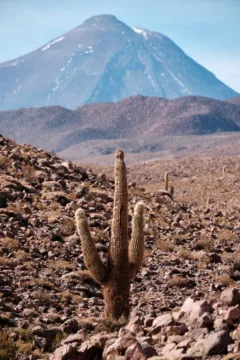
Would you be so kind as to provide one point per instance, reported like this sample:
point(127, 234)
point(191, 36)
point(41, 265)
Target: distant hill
point(235, 100)
point(104, 60)
point(57, 128)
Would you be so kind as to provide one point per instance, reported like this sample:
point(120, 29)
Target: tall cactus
point(124, 259)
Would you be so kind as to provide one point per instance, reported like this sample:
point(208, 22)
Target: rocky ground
point(185, 300)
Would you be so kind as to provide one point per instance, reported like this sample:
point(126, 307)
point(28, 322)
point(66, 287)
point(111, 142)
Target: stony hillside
point(104, 60)
point(48, 299)
point(59, 129)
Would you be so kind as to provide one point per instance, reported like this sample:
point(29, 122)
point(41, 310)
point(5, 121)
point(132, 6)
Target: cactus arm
point(136, 246)
point(164, 192)
point(91, 257)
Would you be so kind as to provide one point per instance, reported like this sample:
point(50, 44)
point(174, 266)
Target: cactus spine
point(124, 260)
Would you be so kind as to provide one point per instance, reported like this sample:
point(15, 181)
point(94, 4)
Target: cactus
point(166, 181)
point(124, 259)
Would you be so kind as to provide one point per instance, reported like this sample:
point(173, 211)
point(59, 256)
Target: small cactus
point(124, 259)
point(166, 181)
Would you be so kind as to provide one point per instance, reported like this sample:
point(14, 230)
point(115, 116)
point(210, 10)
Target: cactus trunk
point(116, 290)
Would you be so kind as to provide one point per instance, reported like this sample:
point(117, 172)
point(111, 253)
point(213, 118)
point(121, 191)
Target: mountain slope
point(104, 60)
point(57, 128)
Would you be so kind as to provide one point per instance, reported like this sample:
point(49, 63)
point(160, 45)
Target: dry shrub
point(227, 236)
point(68, 296)
point(224, 279)
point(67, 227)
point(8, 347)
point(29, 174)
point(5, 262)
point(43, 298)
point(110, 325)
point(45, 284)
point(165, 245)
point(10, 243)
point(204, 244)
point(4, 162)
point(178, 281)
point(61, 265)
point(24, 348)
point(22, 255)
point(184, 253)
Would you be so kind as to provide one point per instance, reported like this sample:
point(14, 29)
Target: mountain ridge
point(104, 60)
point(57, 128)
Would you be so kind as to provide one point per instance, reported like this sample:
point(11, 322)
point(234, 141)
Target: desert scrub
point(165, 245)
point(110, 325)
point(69, 297)
point(45, 284)
point(184, 253)
point(5, 163)
point(224, 279)
point(10, 243)
point(178, 281)
point(60, 265)
point(203, 244)
point(8, 347)
point(42, 297)
point(6, 263)
point(22, 255)
point(67, 226)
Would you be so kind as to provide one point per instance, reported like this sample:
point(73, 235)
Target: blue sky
point(207, 30)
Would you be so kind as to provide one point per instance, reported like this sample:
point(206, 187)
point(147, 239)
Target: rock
point(232, 314)
point(216, 343)
point(221, 324)
point(66, 352)
point(48, 334)
point(134, 352)
point(119, 346)
point(199, 308)
point(161, 321)
point(231, 296)
point(95, 343)
point(70, 326)
point(205, 321)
